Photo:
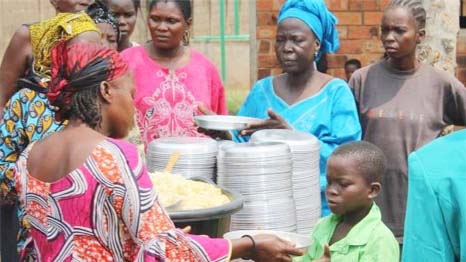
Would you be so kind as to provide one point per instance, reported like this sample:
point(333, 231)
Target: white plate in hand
point(224, 122)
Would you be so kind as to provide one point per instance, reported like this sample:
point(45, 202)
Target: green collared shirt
point(369, 240)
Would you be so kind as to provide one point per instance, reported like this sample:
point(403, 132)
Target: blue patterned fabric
point(27, 117)
point(329, 115)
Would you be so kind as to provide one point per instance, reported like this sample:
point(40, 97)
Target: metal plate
point(224, 122)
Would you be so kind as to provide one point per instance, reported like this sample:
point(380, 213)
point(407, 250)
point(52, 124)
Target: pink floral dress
point(166, 100)
point(105, 210)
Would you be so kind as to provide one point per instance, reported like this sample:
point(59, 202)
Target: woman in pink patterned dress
point(172, 80)
point(92, 200)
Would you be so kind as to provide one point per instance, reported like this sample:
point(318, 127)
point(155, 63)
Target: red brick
point(265, 47)
point(372, 18)
point(351, 47)
point(336, 61)
point(266, 18)
point(461, 45)
point(461, 60)
point(337, 5)
point(264, 5)
point(262, 73)
point(364, 5)
point(362, 32)
point(373, 46)
point(266, 32)
point(277, 4)
point(349, 18)
point(267, 61)
point(277, 71)
point(384, 4)
point(342, 31)
point(365, 58)
point(337, 72)
point(461, 74)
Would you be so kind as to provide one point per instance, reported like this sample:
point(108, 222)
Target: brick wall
point(358, 27)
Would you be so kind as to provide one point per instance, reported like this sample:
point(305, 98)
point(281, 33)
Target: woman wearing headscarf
point(27, 116)
point(93, 199)
point(106, 22)
point(303, 98)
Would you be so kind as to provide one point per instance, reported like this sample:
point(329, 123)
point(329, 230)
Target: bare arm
point(14, 64)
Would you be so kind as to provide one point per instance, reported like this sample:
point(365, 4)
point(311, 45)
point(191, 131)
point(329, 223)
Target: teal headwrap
point(321, 21)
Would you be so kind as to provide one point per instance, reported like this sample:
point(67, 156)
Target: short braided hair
point(84, 85)
point(416, 9)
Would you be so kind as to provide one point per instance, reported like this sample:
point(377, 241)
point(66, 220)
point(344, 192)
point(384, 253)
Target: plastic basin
point(214, 221)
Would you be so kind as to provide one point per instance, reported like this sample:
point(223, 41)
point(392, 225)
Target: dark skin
point(126, 13)
point(19, 50)
point(167, 26)
point(295, 47)
point(78, 140)
point(108, 35)
point(349, 70)
point(349, 194)
point(400, 36)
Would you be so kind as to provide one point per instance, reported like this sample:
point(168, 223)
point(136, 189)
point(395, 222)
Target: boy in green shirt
point(355, 231)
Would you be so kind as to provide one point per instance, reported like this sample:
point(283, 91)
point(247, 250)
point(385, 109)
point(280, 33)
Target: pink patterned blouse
point(166, 100)
point(105, 210)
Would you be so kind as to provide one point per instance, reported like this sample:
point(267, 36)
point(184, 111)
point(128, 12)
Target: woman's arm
point(14, 63)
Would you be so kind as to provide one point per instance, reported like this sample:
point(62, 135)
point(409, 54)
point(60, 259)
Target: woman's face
point(167, 25)
point(70, 6)
point(399, 33)
point(295, 45)
point(126, 13)
point(109, 35)
point(120, 112)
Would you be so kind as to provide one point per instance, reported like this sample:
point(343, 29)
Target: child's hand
point(326, 256)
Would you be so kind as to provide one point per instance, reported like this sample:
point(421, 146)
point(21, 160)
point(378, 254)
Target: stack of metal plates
point(198, 156)
point(305, 150)
point(261, 172)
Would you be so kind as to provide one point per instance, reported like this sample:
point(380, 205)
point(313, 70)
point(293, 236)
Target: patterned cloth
point(27, 118)
point(27, 115)
point(330, 115)
point(105, 210)
point(166, 100)
point(47, 34)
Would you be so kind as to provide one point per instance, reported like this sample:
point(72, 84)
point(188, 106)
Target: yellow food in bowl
point(178, 193)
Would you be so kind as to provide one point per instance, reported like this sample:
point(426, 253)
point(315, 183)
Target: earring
point(186, 37)
point(316, 54)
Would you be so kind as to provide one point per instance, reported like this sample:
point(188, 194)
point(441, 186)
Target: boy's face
point(349, 70)
point(347, 190)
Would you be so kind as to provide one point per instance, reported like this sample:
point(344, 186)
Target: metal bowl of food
point(214, 221)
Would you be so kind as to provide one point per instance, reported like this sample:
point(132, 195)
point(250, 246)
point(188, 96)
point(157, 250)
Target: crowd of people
point(78, 81)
